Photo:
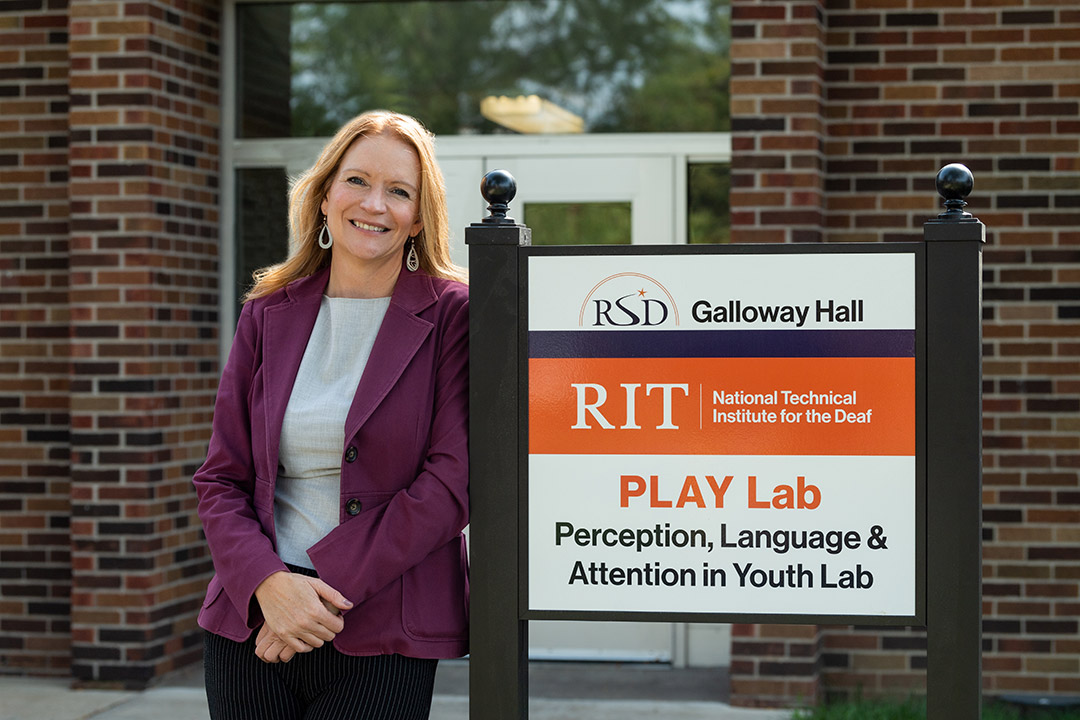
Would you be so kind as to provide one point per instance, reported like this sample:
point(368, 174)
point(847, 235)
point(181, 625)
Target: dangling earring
point(412, 261)
point(325, 238)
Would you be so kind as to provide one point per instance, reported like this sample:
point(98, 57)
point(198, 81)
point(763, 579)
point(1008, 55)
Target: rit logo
point(591, 398)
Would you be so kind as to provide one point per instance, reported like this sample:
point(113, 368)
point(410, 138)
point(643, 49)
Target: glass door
point(594, 200)
point(634, 192)
point(627, 141)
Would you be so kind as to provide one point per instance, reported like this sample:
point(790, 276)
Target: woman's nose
point(373, 201)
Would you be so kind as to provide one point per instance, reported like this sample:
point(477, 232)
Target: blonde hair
point(309, 189)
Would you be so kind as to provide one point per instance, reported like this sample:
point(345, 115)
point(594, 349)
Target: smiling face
point(372, 207)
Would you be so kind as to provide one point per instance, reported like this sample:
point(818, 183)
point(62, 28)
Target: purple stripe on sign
point(721, 343)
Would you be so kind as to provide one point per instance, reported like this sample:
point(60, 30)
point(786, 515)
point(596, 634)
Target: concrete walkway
point(181, 697)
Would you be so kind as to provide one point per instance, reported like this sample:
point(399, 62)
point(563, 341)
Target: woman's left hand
point(269, 647)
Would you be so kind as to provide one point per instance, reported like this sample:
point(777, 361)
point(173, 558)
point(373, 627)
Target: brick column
point(777, 195)
point(144, 311)
point(913, 86)
point(775, 665)
point(34, 542)
point(1027, 84)
point(777, 123)
point(870, 663)
point(909, 87)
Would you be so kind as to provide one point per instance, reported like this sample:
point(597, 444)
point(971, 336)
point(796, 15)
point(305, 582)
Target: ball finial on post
point(498, 187)
point(954, 183)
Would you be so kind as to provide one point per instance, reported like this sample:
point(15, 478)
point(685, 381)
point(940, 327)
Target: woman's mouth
point(365, 226)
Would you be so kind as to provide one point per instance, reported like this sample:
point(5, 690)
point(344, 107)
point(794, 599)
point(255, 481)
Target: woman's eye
point(355, 181)
point(402, 192)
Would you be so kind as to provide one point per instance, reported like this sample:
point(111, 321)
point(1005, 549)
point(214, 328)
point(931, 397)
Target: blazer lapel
point(400, 336)
point(287, 327)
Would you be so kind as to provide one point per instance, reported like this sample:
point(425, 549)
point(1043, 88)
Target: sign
point(723, 433)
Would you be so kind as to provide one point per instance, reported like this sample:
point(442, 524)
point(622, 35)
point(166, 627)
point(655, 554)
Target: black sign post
point(954, 242)
point(499, 642)
point(948, 458)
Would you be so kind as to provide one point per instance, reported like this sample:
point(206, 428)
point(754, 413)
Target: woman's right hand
point(299, 609)
point(270, 648)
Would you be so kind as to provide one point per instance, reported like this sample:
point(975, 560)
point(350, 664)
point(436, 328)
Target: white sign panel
point(727, 434)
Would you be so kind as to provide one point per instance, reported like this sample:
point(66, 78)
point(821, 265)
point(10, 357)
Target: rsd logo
point(627, 300)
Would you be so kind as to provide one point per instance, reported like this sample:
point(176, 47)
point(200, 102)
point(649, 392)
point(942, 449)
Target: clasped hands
point(301, 613)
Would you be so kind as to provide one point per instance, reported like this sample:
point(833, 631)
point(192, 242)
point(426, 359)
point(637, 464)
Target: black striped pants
point(323, 684)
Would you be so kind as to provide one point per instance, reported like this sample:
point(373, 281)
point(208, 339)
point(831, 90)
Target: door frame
point(683, 150)
point(464, 160)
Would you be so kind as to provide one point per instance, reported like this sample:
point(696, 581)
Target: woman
point(335, 487)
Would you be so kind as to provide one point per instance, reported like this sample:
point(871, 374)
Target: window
point(644, 79)
point(636, 90)
point(619, 65)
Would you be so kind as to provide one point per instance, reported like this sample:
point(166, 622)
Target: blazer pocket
point(213, 591)
point(263, 500)
point(434, 595)
point(218, 615)
point(263, 494)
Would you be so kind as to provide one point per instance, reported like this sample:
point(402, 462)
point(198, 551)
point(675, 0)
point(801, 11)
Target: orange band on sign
point(722, 406)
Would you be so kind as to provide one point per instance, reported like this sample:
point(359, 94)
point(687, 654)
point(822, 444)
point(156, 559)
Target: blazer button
point(353, 506)
point(350, 454)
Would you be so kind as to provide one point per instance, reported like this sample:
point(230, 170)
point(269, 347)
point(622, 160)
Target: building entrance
point(572, 189)
point(597, 190)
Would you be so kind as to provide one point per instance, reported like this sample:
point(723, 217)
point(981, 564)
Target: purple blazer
point(398, 553)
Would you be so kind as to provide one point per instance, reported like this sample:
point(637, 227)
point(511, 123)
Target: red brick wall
point(874, 662)
point(775, 665)
point(34, 453)
point(109, 177)
point(843, 111)
point(909, 86)
point(777, 121)
point(144, 178)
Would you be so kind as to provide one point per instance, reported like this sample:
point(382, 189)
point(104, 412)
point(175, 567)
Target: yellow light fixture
point(530, 114)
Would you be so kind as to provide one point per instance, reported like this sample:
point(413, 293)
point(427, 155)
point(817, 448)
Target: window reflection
point(263, 76)
point(262, 222)
point(621, 65)
point(599, 223)
point(708, 213)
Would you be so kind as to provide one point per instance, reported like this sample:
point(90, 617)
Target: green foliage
point(1001, 711)
point(686, 86)
point(915, 709)
point(623, 65)
point(708, 203)
point(860, 709)
point(579, 223)
point(409, 57)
